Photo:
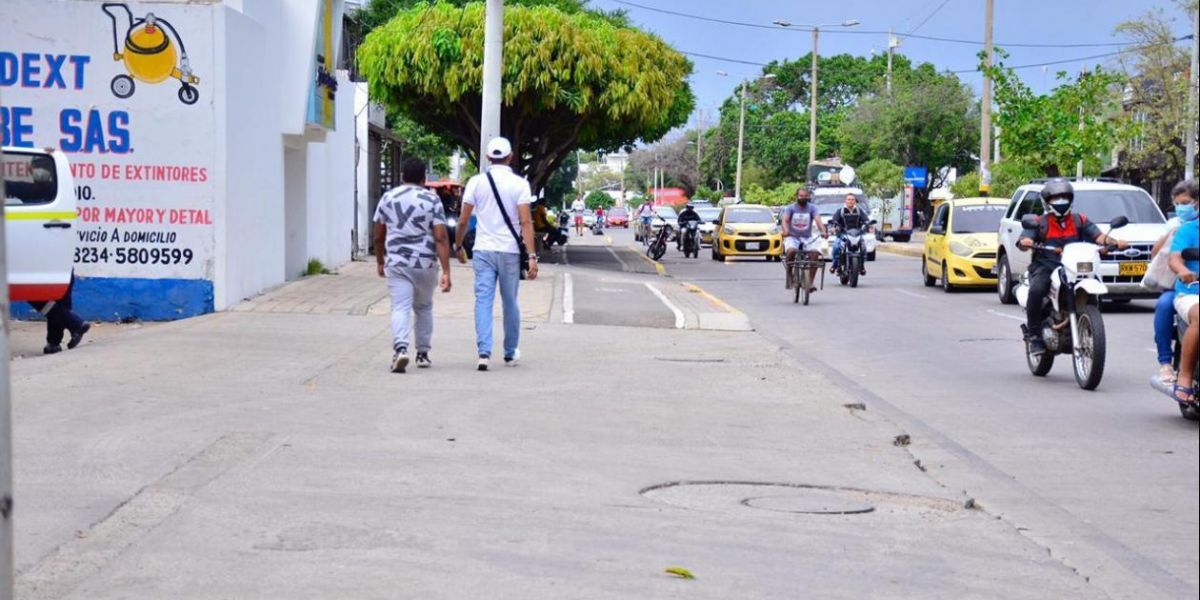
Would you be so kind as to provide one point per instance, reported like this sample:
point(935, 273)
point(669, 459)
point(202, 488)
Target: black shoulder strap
point(1043, 228)
point(504, 213)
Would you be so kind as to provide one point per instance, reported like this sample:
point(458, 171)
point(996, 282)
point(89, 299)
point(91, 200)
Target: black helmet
point(1058, 196)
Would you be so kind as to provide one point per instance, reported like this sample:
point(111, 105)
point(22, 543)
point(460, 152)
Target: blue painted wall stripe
point(117, 298)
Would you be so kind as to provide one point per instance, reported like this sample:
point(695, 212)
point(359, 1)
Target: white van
point(39, 215)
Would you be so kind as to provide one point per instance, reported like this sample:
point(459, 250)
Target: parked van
point(39, 215)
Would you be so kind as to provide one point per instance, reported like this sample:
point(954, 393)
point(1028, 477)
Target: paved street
point(270, 445)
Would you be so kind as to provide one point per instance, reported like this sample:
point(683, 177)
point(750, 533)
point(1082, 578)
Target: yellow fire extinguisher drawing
point(149, 54)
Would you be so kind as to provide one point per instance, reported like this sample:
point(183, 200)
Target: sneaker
point(423, 361)
point(1166, 374)
point(484, 361)
point(52, 349)
point(77, 336)
point(511, 361)
point(400, 361)
point(1037, 347)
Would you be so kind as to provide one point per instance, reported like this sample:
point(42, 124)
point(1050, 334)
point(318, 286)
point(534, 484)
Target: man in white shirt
point(578, 207)
point(497, 257)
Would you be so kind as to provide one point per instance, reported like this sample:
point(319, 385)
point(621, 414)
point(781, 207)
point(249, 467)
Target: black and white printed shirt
point(410, 213)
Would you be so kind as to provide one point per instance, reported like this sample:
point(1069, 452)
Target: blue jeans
point(492, 268)
point(1164, 326)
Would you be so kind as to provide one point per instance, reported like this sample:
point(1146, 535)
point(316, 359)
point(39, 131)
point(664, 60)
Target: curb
point(901, 249)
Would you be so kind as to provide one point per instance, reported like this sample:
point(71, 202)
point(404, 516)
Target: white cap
point(499, 148)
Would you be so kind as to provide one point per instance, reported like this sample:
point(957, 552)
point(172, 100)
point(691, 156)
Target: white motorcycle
point(1073, 324)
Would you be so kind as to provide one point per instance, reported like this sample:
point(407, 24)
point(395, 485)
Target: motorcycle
point(1073, 323)
point(853, 255)
point(690, 240)
point(658, 247)
point(1188, 410)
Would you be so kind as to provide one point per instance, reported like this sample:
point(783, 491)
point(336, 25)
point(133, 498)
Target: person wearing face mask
point(798, 220)
point(1187, 286)
point(1164, 309)
point(1058, 227)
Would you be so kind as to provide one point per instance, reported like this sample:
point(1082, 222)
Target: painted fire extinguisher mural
point(149, 54)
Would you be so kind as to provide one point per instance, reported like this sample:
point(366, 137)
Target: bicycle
point(803, 271)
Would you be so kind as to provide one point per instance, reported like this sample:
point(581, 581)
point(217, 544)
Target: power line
point(931, 15)
point(959, 71)
point(1083, 58)
point(796, 29)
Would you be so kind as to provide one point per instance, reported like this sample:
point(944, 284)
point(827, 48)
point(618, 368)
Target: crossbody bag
point(511, 229)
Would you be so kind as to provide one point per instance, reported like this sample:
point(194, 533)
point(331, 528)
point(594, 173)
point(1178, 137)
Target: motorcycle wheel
point(1039, 365)
point(855, 269)
point(1089, 358)
point(657, 250)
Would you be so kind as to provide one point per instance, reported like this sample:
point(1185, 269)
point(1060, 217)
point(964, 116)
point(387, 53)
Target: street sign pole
point(493, 64)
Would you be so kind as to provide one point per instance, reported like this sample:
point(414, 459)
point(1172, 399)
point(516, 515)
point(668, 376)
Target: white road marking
point(568, 300)
point(680, 321)
point(1004, 316)
point(624, 266)
point(913, 294)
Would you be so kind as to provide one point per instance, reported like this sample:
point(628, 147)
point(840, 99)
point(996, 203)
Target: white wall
point(250, 244)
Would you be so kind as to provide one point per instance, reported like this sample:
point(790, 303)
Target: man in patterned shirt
point(410, 232)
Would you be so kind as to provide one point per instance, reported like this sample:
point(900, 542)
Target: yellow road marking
point(695, 289)
point(11, 215)
point(657, 265)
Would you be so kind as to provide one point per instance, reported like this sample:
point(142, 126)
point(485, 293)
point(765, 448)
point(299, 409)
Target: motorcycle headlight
point(1085, 267)
point(776, 230)
point(728, 230)
point(960, 249)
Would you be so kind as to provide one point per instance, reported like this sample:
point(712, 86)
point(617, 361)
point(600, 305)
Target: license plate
point(1133, 269)
point(754, 246)
point(887, 226)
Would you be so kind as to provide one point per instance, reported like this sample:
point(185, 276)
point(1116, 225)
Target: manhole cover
point(810, 502)
point(795, 498)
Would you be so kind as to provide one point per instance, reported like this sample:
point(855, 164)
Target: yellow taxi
point(961, 243)
point(748, 230)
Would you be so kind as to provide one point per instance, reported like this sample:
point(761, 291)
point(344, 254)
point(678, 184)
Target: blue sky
point(1016, 22)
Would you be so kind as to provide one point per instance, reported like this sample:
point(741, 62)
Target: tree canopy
point(1157, 94)
point(930, 120)
point(1081, 120)
point(570, 80)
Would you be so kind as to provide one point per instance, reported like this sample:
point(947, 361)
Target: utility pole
point(985, 133)
point(1193, 98)
point(737, 182)
point(1079, 165)
point(493, 66)
point(812, 109)
point(6, 491)
point(893, 42)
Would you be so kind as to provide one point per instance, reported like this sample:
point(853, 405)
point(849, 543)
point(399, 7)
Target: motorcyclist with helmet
point(1058, 227)
point(850, 216)
point(687, 215)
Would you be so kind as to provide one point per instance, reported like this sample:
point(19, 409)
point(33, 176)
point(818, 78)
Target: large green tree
point(929, 120)
point(1080, 120)
point(777, 118)
point(570, 80)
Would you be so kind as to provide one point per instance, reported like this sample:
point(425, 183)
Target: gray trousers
point(412, 294)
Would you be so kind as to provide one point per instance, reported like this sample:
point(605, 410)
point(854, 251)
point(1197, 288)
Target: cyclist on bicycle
point(797, 221)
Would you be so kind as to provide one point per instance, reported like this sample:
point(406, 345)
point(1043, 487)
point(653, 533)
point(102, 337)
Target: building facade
point(212, 143)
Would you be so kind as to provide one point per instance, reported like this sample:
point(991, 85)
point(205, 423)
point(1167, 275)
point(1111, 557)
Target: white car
point(1100, 201)
point(39, 214)
point(709, 216)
